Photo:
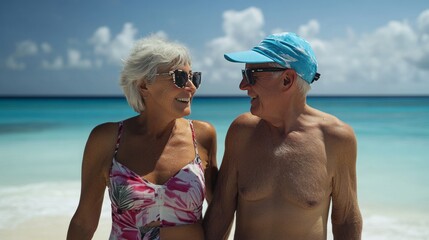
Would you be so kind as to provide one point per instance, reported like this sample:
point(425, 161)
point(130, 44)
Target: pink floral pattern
point(137, 202)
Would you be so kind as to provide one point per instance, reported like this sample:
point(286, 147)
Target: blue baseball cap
point(287, 49)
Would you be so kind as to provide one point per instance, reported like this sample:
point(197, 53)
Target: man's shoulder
point(333, 128)
point(243, 125)
point(245, 120)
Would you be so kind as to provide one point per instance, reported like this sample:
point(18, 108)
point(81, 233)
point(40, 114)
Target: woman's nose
point(190, 84)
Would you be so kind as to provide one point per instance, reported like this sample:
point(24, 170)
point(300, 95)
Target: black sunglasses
point(247, 73)
point(180, 77)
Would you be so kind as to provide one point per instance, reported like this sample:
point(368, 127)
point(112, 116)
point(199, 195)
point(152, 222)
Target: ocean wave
point(19, 204)
point(380, 227)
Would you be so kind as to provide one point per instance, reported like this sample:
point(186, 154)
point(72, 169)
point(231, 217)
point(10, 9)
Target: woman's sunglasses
point(180, 77)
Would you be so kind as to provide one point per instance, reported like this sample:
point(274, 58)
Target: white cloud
point(11, 63)
point(23, 49)
point(384, 57)
point(423, 25)
point(423, 22)
point(106, 49)
point(57, 64)
point(243, 27)
point(390, 59)
point(46, 48)
point(242, 30)
point(277, 30)
point(101, 37)
point(26, 48)
point(161, 34)
point(76, 61)
point(310, 30)
point(113, 50)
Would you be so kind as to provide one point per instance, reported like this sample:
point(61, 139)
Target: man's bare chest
point(287, 173)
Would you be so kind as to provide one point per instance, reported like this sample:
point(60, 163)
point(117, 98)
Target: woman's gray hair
point(145, 59)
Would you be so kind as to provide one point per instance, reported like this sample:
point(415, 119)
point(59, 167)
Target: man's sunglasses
point(248, 73)
point(180, 77)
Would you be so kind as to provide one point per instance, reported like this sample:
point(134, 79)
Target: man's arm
point(220, 212)
point(346, 217)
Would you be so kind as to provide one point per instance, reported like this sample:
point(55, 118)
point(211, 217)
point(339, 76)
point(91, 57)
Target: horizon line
point(224, 96)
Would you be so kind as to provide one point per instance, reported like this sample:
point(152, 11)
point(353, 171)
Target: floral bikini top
point(137, 202)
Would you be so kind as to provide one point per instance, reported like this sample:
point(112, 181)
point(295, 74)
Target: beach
point(42, 142)
point(49, 221)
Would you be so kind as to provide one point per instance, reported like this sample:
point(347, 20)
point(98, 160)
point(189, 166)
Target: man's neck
point(288, 116)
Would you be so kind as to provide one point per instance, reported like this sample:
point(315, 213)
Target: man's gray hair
point(303, 86)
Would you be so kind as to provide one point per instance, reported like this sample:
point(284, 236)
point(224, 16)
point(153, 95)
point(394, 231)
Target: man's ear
point(286, 81)
point(289, 78)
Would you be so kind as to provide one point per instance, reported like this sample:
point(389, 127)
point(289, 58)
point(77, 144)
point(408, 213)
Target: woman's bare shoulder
point(104, 131)
point(102, 140)
point(203, 126)
point(204, 131)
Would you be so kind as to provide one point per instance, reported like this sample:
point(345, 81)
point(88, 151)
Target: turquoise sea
point(42, 141)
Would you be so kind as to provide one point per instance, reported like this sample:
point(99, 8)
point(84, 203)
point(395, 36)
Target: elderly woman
point(158, 166)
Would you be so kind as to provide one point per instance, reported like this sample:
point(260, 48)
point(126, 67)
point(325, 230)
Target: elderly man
point(285, 163)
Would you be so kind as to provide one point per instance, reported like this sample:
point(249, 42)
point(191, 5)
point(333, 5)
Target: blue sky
point(75, 47)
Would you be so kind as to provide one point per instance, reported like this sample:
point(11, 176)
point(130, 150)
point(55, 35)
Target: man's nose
point(244, 85)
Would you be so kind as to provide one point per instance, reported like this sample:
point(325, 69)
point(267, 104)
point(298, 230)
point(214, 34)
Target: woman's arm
point(206, 137)
point(96, 162)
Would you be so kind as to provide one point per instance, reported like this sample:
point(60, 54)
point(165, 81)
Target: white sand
point(49, 228)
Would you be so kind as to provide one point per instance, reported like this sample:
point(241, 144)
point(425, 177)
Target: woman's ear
point(143, 90)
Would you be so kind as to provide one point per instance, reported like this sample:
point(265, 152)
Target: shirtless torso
point(285, 163)
point(281, 184)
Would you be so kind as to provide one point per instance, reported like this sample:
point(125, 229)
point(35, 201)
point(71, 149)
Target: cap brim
point(247, 57)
